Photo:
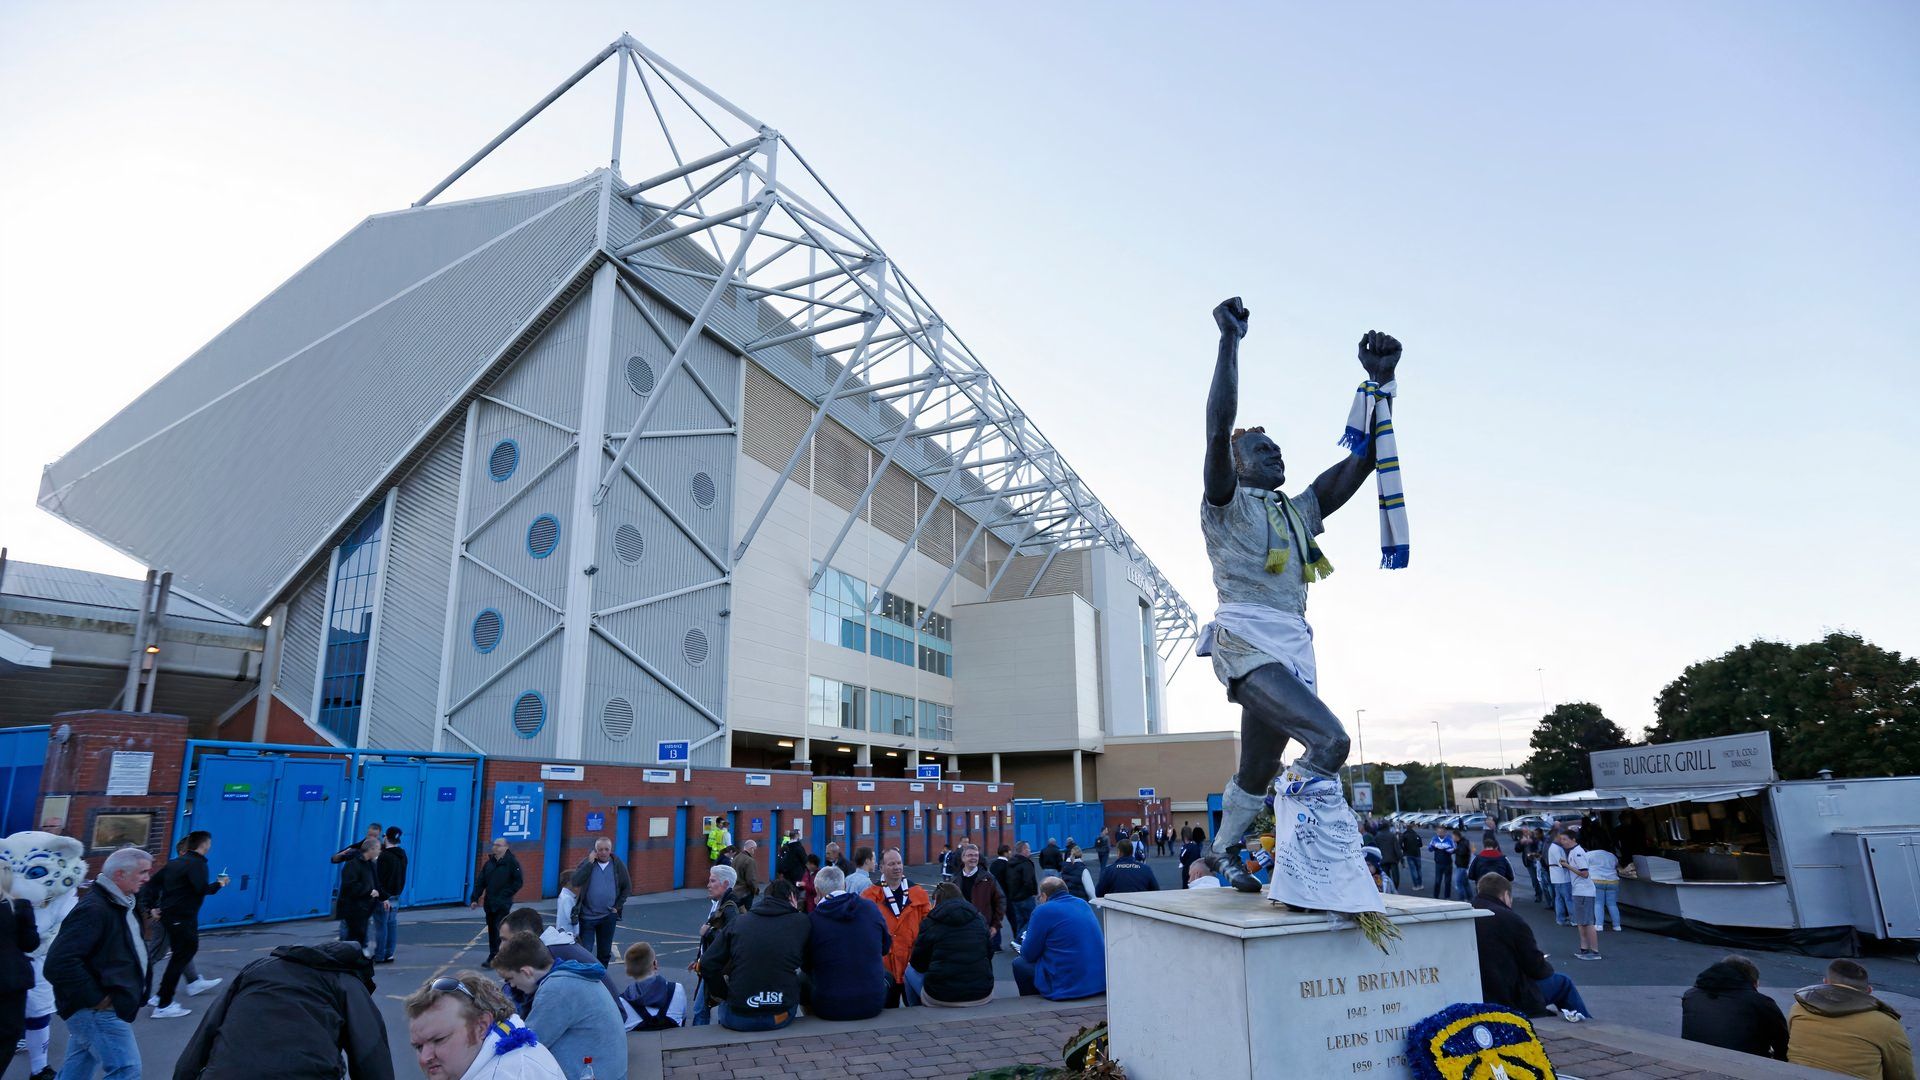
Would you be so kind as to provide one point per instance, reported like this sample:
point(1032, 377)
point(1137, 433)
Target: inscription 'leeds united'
point(1335, 985)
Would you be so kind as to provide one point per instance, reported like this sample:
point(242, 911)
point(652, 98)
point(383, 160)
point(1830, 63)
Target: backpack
point(649, 1020)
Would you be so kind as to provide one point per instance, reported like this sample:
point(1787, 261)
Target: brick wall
point(80, 757)
point(890, 822)
point(284, 726)
point(1122, 813)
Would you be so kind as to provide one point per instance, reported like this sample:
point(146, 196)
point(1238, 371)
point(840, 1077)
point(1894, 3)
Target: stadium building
point(671, 451)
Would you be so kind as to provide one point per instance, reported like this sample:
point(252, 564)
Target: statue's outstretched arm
point(1223, 401)
point(1380, 355)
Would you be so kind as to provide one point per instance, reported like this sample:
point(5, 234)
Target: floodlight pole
point(620, 102)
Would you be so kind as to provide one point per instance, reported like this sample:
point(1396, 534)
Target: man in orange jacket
point(902, 905)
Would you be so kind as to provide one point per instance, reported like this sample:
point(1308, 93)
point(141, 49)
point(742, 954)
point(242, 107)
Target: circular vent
point(639, 375)
point(703, 493)
point(529, 714)
point(694, 646)
point(487, 627)
point(543, 536)
point(628, 544)
point(504, 459)
point(617, 718)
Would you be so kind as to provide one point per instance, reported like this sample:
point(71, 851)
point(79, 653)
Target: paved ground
point(1637, 986)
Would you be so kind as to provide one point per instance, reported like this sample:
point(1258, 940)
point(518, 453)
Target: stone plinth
point(1228, 985)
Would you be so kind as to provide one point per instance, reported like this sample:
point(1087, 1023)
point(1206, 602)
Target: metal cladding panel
point(640, 360)
point(378, 258)
point(511, 543)
point(693, 476)
point(517, 621)
point(936, 540)
point(300, 642)
point(545, 380)
point(627, 735)
point(839, 465)
point(297, 451)
point(774, 420)
point(413, 601)
point(532, 447)
point(974, 568)
point(684, 638)
point(641, 552)
point(489, 720)
point(893, 509)
point(93, 589)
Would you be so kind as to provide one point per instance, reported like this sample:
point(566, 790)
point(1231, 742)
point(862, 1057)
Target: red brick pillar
point(81, 761)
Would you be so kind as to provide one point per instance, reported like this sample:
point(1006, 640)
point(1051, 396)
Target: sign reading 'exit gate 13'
point(1729, 759)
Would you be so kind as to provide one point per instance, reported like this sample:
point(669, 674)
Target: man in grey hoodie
point(571, 1013)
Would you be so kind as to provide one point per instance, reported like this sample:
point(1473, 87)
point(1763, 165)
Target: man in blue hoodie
point(1062, 956)
point(571, 1013)
point(849, 939)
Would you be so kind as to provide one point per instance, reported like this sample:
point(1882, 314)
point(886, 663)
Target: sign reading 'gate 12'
point(1729, 759)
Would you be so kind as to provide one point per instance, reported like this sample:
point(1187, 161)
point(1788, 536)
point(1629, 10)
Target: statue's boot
point(1237, 811)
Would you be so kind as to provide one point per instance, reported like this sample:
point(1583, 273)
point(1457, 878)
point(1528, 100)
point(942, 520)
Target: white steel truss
point(778, 236)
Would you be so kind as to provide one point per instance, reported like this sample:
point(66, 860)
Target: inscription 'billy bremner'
point(1363, 983)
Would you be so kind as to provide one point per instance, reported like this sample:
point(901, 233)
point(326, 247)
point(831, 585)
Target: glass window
point(936, 646)
point(892, 714)
point(1147, 657)
point(350, 611)
point(837, 612)
point(936, 721)
point(834, 704)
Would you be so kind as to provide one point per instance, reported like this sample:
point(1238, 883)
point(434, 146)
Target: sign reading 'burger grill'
point(1729, 759)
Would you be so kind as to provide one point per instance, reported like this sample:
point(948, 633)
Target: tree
point(1840, 703)
point(1561, 744)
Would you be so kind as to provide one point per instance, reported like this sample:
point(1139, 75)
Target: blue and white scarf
point(1370, 421)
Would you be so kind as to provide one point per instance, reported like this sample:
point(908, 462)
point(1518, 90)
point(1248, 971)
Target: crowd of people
point(836, 937)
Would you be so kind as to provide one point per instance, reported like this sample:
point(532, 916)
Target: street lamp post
point(1500, 734)
point(1445, 801)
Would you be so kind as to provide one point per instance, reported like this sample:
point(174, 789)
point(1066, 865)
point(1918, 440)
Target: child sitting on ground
point(653, 1000)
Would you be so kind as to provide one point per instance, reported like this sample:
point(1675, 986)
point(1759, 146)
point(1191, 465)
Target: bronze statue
point(1261, 545)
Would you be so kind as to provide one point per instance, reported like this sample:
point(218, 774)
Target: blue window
point(837, 611)
point(488, 627)
point(503, 460)
point(892, 713)
point(543, 536)
point(936, 646)
point(893, 628)
point(350, 612)
point(936, 721)
point(529, 714)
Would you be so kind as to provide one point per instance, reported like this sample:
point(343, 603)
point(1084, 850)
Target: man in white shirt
point(1573, 860)
point(1558, 882)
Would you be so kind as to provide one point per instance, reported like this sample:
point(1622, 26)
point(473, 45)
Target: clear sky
point(1646, 260)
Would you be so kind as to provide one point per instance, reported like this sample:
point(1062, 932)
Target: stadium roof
point(245, 464)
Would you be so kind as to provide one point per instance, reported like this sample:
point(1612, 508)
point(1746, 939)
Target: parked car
point(1524, 821)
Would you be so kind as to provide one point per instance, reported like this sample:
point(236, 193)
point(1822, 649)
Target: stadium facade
point(566, 472)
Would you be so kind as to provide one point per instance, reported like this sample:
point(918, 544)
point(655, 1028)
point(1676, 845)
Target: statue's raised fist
point(1379, 354)
point(1231, 316)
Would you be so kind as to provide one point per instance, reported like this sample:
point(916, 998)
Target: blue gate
point(278, 813)
point(23, 754)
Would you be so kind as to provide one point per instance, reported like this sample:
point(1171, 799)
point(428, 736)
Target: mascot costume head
point(47, 868)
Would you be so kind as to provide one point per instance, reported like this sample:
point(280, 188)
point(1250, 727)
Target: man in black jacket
point(359, 895)
point(1129, 873)
point(982, 890)
point(790, 861)
point(760, 956)
point(298, 1009)
point(390, 871)
point(1411, 845)
point(604, 886)
point(98, 969)
point(1051, 857)
point(1725, 1008)
point(184, 886)
point(724, 906)
point(496, 884)
point(1023, 885)
point(1513, 970)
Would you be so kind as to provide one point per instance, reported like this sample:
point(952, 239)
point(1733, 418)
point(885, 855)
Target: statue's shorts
point(1273, 637)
